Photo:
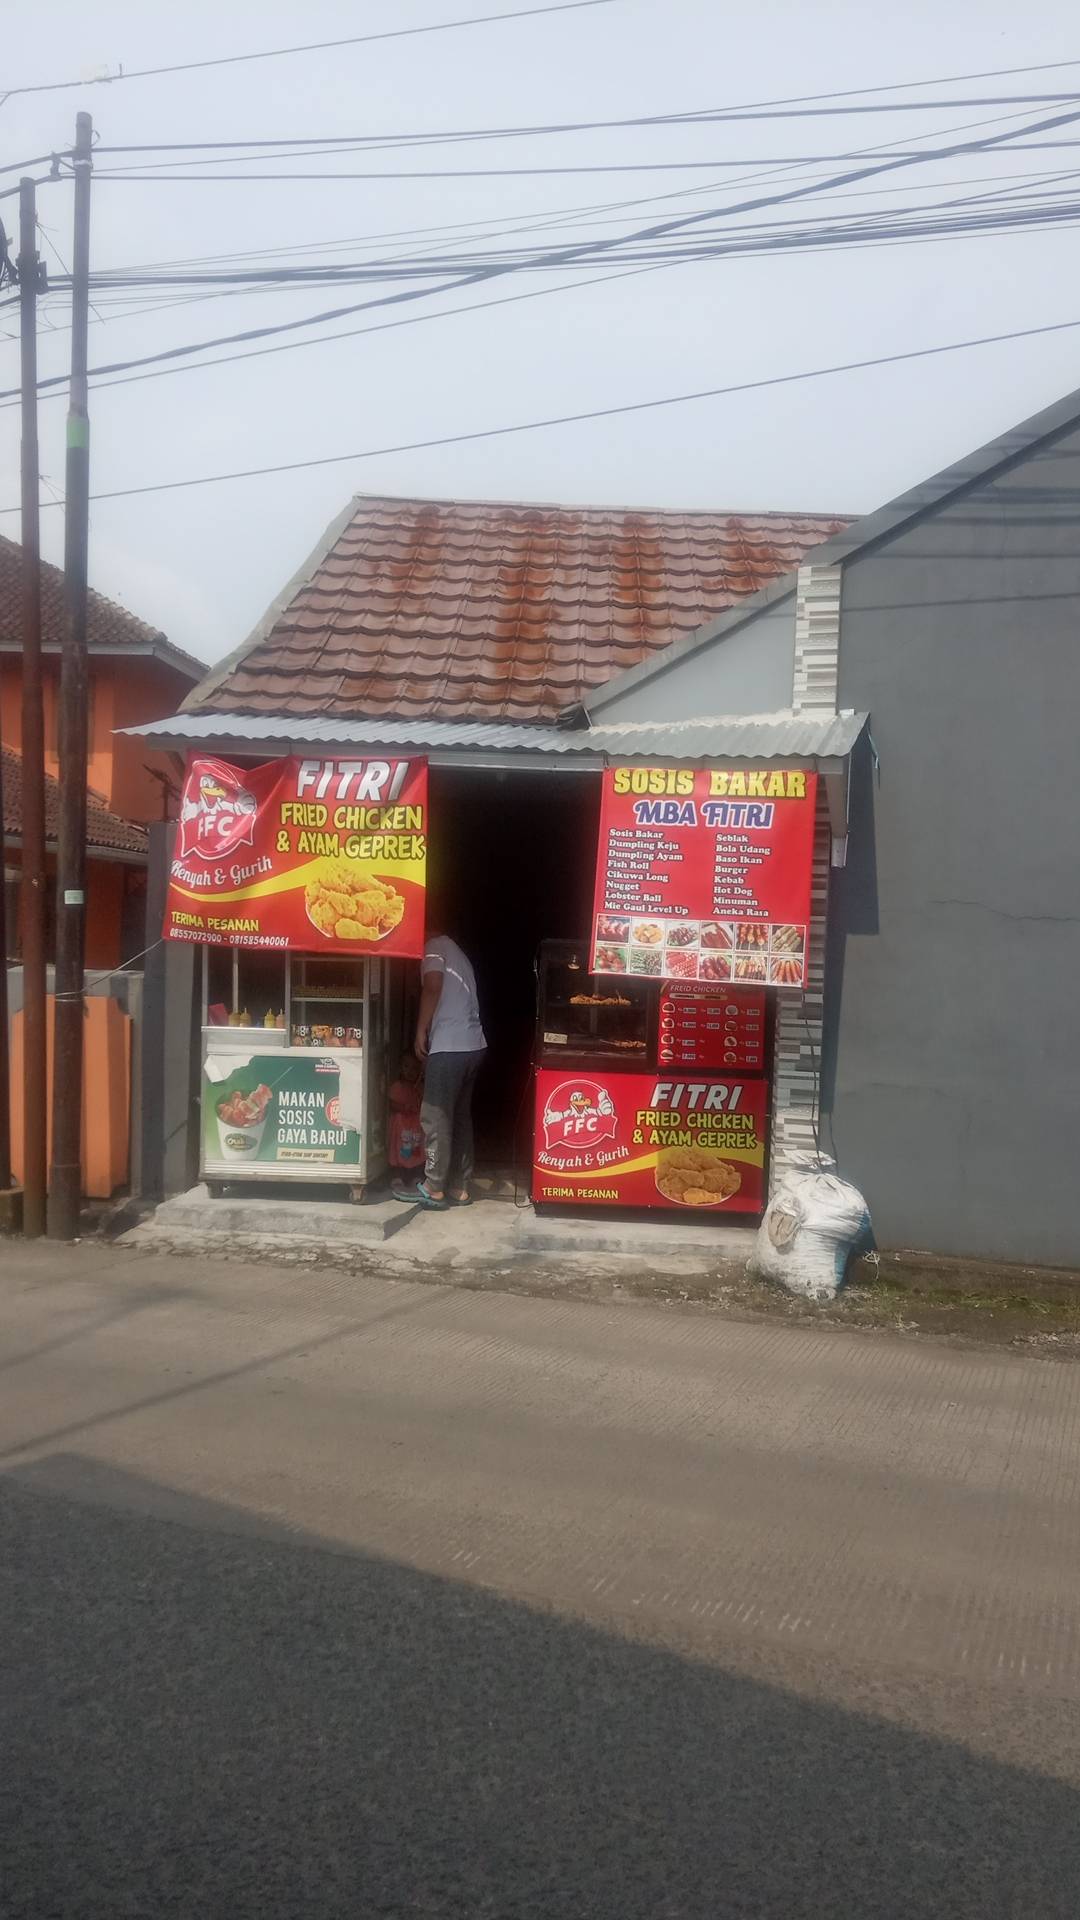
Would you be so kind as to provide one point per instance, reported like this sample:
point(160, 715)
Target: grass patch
point(892, 1291)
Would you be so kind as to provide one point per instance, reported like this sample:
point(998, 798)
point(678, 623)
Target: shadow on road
point(92, 1324)
point(222, 1376)
point(200, 1720)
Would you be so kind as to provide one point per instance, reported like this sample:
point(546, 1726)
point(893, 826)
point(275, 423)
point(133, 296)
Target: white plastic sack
point(813, 1224)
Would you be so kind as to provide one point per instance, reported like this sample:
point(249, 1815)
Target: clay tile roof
point(468, 609)
point(109, 832)
point(107, 624)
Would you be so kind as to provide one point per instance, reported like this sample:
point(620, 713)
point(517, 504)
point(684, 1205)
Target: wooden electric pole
point(65, 1183)
point(5, 1064)
point(6, 273)
point(35, 1063)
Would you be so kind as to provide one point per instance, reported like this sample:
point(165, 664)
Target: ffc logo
point(579, 1114)
point(217, 813)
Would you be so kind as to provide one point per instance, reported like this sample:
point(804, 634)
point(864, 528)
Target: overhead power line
point(9, 193)
point(311, 46)
point(950, 79)
point(519, 173)
point(555, 216)
point(352, 333)
point(582, 216)
point(39, 160)
point(523, 223)
point(119, 307)
point(409, 320)
point(298, 145)
point(572, 419)
point(874, 232)
point(998, 210)
point(590, 214)
point(574, 254)
point(552, 217)
point(317, 46)
point(102, 176)
point(58, 256)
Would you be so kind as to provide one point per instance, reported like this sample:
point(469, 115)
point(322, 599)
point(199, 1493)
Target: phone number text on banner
point(704, 873)
point(318, 856)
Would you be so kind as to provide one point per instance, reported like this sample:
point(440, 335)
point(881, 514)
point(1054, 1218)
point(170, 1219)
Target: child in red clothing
point(406, 1146)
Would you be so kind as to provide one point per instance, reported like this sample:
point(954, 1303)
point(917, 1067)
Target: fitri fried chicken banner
point(632, 1140)
point(317, 855)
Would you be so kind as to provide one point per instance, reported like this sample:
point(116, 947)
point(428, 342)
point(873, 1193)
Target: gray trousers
point(446, 1117)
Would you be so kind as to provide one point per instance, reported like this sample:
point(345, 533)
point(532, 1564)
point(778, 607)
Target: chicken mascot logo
point(217, 813)
point(578, 1115)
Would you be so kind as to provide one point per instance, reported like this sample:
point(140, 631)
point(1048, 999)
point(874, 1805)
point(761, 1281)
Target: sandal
point(425, 1199)
point(459, 1200)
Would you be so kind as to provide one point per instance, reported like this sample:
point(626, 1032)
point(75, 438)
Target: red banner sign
point(637, 1140)
point(705, 874)
point(318, 855)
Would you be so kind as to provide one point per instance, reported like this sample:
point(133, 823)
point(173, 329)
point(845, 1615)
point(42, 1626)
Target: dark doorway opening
point(514, 854)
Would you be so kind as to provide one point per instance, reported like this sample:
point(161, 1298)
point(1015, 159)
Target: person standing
point(450, 1041)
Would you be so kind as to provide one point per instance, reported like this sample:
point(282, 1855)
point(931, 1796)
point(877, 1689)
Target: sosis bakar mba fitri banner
point(704, 874)
point(324, 856)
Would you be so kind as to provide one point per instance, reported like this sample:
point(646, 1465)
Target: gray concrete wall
point(748, 671)
point(953, 1011)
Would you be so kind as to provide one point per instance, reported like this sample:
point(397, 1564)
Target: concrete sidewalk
point(489, 1234)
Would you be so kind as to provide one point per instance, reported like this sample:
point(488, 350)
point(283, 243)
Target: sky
point(204, 563)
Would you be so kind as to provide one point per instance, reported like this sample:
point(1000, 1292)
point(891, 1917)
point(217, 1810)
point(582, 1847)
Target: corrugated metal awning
point(764, 736)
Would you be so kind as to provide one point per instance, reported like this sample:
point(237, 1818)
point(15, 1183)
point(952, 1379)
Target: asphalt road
point(353, 1597)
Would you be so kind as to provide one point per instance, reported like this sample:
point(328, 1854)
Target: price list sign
point(707, 1026)
point(704, 874)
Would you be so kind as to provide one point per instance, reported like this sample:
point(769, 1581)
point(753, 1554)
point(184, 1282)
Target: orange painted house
point(136, 674)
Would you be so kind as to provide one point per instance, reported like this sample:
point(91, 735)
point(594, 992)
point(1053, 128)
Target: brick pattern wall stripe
point(797, 1058)
point(817, 635)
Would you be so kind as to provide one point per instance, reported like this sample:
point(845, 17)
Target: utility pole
point(6, 273)
point(65, 1184)
point(35, 1062)
point(5, 1062)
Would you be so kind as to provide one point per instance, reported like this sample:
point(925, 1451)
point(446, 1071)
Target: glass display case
point(326, 1000)
point(242, 988)
point(294, 1067)
point(583, 1016)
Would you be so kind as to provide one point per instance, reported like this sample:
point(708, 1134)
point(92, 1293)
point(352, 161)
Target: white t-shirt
point(456, 1026)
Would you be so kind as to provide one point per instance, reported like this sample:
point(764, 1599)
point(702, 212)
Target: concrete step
point(666, 1234)
point(299, 1217)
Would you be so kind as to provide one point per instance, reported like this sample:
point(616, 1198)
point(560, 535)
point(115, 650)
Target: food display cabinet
point(583, 1016)
point(648, 1094)
point(294, 1067)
